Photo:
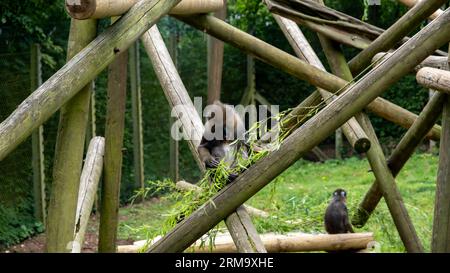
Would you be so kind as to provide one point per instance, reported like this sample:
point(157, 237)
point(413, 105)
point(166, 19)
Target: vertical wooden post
point(136, 109)
point(441, 224)
point(215, 61)
point(173, 145)
point(432, 143)
point(69, 150)
point(91, 130)
point(37, 141)
point(114, 132)
point(338, 143)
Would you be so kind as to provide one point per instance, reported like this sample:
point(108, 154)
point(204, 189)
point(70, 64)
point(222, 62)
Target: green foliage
point(296, 201)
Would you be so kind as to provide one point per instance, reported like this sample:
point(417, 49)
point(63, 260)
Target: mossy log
point(435, 79)
point(114, 135)
point(315, 130)
point(70, 143)
point(78, 72)
point(98, 9)
point(297, 68)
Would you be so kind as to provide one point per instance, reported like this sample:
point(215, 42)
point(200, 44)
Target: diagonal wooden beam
point(315, 130)
point(296, 67)
point(238, 223)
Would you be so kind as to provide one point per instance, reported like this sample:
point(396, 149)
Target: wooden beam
point(174, 168)
point(402, 152)
point(294, 66)
point(435, 79)
point(114, 133)
point(375, 155)
point(439, 62)
point(70, 144)
point(136, 109)
point(215, 60)
point(395, 33)
point(89, 181)
point(186, 186)
point(352, 130)
point(78, 72)
point(177, 96)
point(276, 243)
point(412, 3)
point(441, 222)
point(98, 9)
point(37, 142)
point(370, 86)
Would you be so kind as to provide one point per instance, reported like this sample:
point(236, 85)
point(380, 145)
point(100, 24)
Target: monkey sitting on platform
point(223, 139)
point(336, 215)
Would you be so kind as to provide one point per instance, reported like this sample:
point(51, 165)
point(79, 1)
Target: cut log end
point(362, 145)
point(81, 9)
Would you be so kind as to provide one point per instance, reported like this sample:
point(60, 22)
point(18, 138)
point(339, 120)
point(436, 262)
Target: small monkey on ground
point(336, 215)
point(223, 139)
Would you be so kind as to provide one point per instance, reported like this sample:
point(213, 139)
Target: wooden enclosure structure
point(345, 98)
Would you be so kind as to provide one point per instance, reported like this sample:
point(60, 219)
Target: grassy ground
point(297, 200)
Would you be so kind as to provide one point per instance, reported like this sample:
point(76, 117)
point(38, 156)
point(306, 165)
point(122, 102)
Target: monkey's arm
point(205, 155)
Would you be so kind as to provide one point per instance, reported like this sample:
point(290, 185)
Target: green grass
point(297, 199)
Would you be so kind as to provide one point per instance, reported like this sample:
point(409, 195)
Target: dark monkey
point(336, 215)
point(219, 140)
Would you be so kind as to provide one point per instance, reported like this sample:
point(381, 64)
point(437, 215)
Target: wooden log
point(78, 72)
point(276, 243)
point(215, 61)
point(441, 222)
point(439, 62)
point(375, 155)
point(402, 152)
point(114, 133)
point(440, 241)
point(244, 234)
point(395, 33)
point(295, 67)
point(435, 79)
point(89, 181)
point(136, 109)
point(69, 149)
point(352, 130)
point(174, 167)
point(98, 9)
point(177, 95)
point(181, 104)
point(37, 142)
point(412, 3)
point(370, 86)
point(186, 186)
point(336, 25)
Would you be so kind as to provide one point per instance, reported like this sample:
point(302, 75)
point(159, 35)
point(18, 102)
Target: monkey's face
point(340, 195)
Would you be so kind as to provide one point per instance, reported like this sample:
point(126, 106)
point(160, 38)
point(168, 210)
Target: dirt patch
point(36, 244)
